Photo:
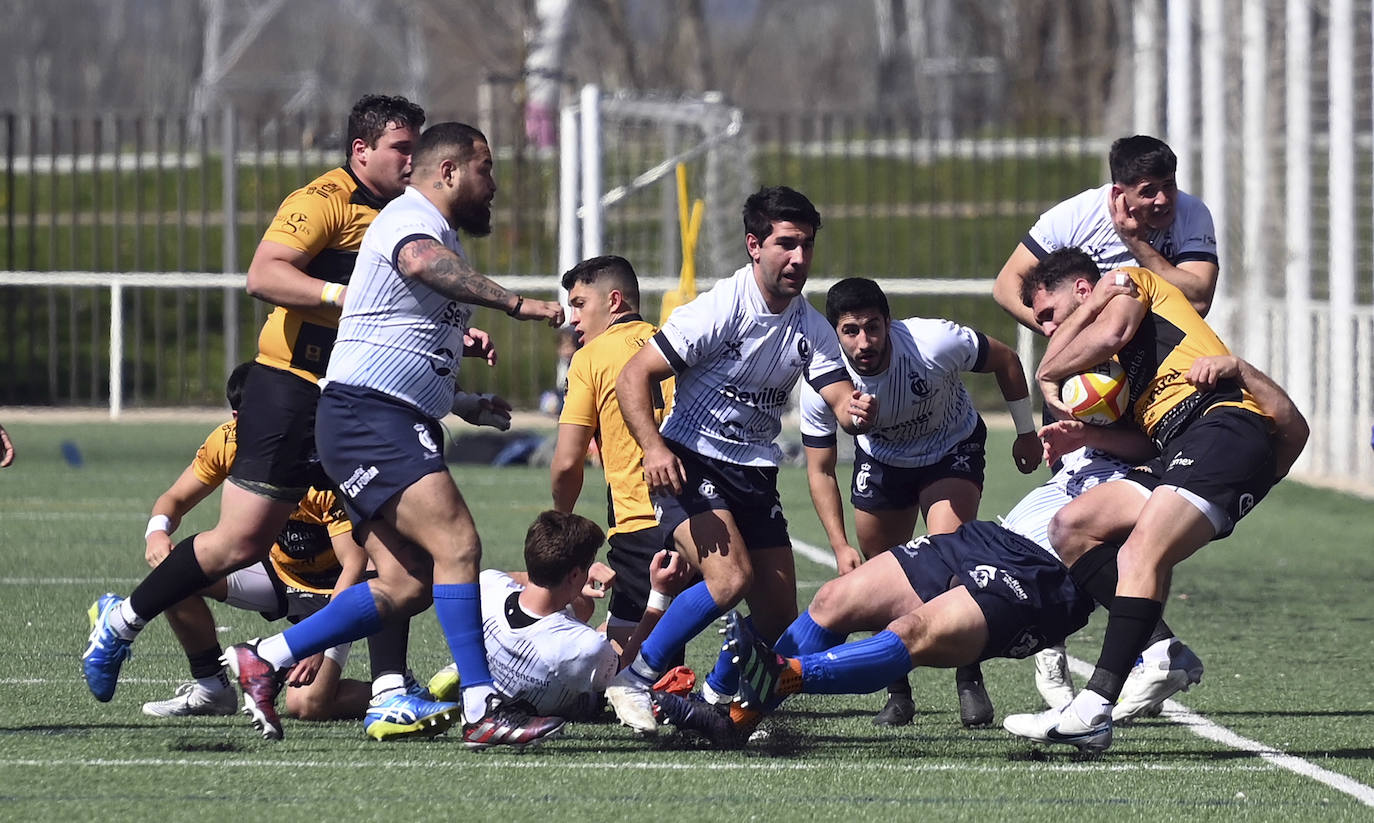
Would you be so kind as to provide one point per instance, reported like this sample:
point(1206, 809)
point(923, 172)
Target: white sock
point(214, 683)
point(387, 683)
point(1088, 705)
point(1157, 652)
point(643, 670)
point(475, 701)
point(275, 651)
point(714, 697)
point(125, 621)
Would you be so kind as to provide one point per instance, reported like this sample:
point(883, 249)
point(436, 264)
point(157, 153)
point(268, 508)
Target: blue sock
point(806, 636)
point(459, 609)
point(691, 612)
point(350, 615)
point(724, 676)
point(856, 668)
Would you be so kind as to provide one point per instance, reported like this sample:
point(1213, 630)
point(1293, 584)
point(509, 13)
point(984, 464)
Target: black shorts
point(1027, 596)
point(1226, 457)
point(276, 436)
point(629, 557)
point(749, 493)
point(374, 447)
point(876, 486)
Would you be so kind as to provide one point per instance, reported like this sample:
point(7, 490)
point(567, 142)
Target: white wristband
point(659, 601)
point(1021, 415)
point(158, 523)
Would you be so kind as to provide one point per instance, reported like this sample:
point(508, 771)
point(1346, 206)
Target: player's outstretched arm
point(168, 509)
point(854, 411)
point(438, 267)
point(1290, 426)
point(1003, 362)
point(825, 496)
point(1006, 289)
point(634, 389)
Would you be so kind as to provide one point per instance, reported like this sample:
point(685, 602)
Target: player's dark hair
point(446, 141)
point(233, 387)
point(854, 294)
point(611, 270)
point(778, 204)
point(1059, 266)
point(374, 112)
point(557, 543)
point(1132, 159)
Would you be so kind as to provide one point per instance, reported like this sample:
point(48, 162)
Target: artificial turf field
point(1279, 613)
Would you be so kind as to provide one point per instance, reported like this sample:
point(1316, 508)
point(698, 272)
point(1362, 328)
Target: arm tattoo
point(435, 265)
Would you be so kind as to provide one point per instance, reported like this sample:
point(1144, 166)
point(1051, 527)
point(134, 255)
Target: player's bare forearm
point(854, 411)
point(565, 470)
point(1094, 343)
point(352, 561)
point(1291, 429)
point(825, 494)
point(438, 267)
point(277, 275)
point(1197, 279)
point(1006, 289)
point(634, 390)
point(1003, 362)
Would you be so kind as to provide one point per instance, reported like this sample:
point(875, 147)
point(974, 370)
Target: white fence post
point(116, 349)
point(590, 110)
point(230, 265)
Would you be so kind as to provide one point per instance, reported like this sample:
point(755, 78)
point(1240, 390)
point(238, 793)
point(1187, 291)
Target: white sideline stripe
point(558, 762)
point(1196, 723)
point(70, 581)
point(1202, 727)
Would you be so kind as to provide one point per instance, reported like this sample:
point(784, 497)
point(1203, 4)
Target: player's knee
point(728, 586)
point(829, 604)
point(1066, 535)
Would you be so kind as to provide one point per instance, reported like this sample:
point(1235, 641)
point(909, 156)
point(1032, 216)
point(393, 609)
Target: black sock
point(971, 673)
point(900, 687)
point(1128, 626)
point(170, 582)
point(206, 663)
point(387, 649)
point(1095, 573)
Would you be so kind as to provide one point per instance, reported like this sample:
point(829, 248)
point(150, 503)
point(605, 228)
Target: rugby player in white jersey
point(924, 455)
point(1139, 219)
point(539, 646)
point(1013, 595)
point(737, 351)
point(391, 377)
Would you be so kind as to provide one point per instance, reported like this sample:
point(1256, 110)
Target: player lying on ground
point(539, 646)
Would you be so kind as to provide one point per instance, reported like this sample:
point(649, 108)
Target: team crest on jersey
point(919, 386)
point(441, 356)
point(961, 464)
point(707, 489)
point(861, 479)
point(803, 348)
point(422, 434)
point(732, 350)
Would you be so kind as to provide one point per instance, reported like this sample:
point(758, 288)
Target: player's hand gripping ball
point(1099, 395)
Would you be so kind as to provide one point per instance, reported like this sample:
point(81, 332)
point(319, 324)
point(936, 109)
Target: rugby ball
point(1099, 395)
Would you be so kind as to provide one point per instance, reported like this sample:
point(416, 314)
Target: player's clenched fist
point(863, 410)
point(663, 470)
point(547, 310)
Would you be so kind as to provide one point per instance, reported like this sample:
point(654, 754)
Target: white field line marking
point(558, 762)
point(70, 581)
point(1196, 723)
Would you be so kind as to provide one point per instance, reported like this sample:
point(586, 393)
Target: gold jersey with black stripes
point(325, 219)
point(303, 556)
point(591, 402)
point(1157, 358)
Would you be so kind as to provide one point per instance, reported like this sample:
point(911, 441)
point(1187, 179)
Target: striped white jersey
point(1081, 470)
point(556, 662)
point(398, 336)
point(1085, 220)
point(736, 364)
point(924, 410)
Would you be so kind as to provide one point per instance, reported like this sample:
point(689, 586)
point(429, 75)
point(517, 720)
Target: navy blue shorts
point(876, 486)
point(276, 436)
point(374, 447)
point(749, 493)
point(1226, 457)
point(1027, 596)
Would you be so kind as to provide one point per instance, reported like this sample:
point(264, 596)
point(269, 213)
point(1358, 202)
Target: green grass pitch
point(1279, 613)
